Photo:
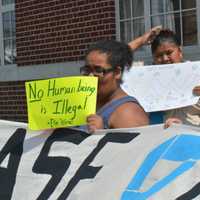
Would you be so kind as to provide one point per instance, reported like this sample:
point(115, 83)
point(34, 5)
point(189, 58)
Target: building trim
point(33, 72)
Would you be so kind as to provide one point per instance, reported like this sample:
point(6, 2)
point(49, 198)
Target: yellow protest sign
point(60, 102)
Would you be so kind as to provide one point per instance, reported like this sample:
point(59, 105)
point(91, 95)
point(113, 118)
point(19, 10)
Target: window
point(131, 19)
point(178, 15)
point(8, 32)
point(137, 16)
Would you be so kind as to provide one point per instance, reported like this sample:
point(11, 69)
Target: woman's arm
point(146, 38)
point(128, 115)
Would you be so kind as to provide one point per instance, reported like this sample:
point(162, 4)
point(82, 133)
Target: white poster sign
point(163, 87)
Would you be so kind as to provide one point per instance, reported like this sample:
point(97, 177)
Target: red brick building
point(44, 39)
point(56, 32)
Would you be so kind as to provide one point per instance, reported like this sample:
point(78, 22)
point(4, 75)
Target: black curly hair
point(165, 35)
point(119, 53)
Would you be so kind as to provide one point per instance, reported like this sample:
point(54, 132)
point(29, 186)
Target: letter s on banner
point(56, 166)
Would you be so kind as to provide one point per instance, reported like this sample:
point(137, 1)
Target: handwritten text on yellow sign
point(60, 102)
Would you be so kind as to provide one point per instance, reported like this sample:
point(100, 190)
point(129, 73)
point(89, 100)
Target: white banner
point(140, 163)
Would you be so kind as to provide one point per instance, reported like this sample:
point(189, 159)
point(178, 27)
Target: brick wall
point(13, 101)
point(60, 30)
point(53, 31)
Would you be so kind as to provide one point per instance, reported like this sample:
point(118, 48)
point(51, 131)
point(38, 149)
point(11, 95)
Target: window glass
point(181, 16)
point(138, 27)
point(183, 22)
point(189, 28)
point(9, 51)
point(132, 19)
point(170, 21)
point(138, 8)
point(158, 6)
point(187, 4)
point(6, 24)
point(13, 23)
point(6, 2)
point(8, 31)
point(9, 37)
point(125, 9)
point(125, 31)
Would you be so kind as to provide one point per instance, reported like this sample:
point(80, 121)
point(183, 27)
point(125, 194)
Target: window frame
point(3, 9)
point(190, 52)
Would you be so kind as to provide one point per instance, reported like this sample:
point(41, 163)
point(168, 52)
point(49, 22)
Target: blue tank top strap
point(106, 111)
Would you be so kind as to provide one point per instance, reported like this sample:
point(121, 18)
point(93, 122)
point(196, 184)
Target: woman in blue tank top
point(115, 109)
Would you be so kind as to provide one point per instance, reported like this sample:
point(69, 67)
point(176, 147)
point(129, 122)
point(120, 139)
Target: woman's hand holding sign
point(94, 122)
point(196, 90)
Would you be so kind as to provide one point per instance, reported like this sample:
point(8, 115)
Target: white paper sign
point(163, 87)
